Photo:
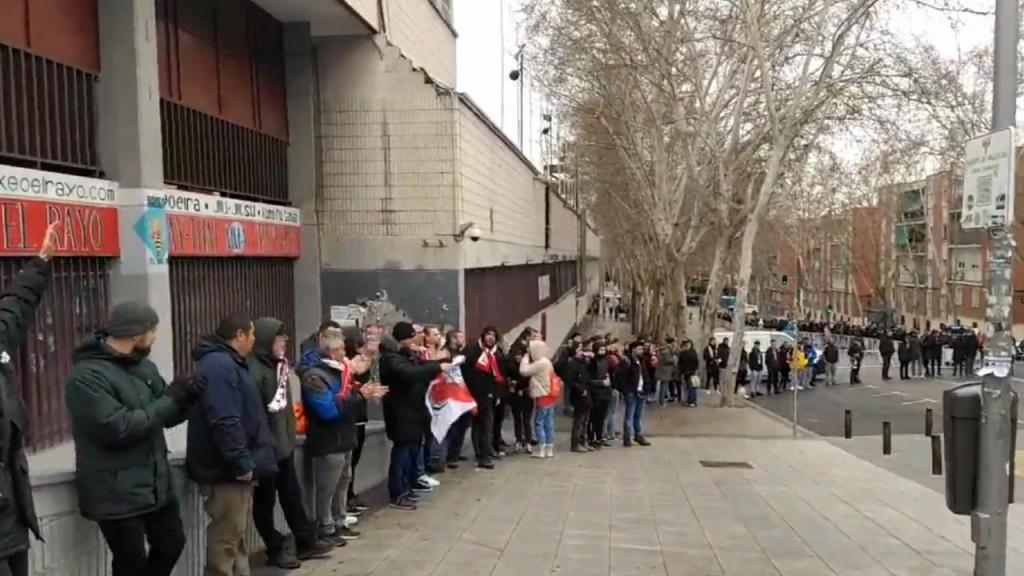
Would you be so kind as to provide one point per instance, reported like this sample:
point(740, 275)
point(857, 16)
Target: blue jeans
point(609, 421)
point(544, 425)
point(632, 423)
point(402, 469)
point(663, 386)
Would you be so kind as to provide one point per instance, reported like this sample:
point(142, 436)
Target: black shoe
point(578, 449)
point(403, 504)
point(357, 505)
point(485, 465)
point(284, 561)
point(422, 488)
point(463, 458)
point(318, 549)
point(453, 465)
point(435, 470)
point(347, 533)
point(334, 540)
point(627, 443)
point(353, 511)
point(642, 441)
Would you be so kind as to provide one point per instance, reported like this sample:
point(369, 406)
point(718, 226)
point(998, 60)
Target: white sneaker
point(351, 520)
point(429, 481)
point(550, 452)
point(541, 452)
point(528, 448)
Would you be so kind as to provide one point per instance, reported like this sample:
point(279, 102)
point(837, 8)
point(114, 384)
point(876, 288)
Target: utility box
point(961, 419)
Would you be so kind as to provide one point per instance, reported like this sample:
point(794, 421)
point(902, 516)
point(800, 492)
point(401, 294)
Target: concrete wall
point(423, 36)
point(366, 10)
point(75, 546)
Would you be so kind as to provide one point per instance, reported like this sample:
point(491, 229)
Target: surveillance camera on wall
point(474, 233)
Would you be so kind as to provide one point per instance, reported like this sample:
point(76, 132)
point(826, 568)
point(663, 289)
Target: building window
point(958, 296)
point(976, 298)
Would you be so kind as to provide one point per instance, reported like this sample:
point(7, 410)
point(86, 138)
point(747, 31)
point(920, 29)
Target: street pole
point(988, 520)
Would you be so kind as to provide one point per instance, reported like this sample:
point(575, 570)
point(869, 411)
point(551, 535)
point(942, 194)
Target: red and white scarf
point(488, 362)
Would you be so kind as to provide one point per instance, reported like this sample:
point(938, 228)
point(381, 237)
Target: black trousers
point(457, 437)
point(904, 369)
point(598, 415)
point(127, 539)
point(283, 486)
point(855, 370)
point(15, 564)
point(936, 365)
point(356, 454)
point(714, 380)
point(522, 417)
point(886, 363)
point(483, 430)
point(773, 380)
point(582, 405)
point(500, 410)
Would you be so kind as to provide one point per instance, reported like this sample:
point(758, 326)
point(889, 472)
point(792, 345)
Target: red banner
point(86, 229)
point(199, 235)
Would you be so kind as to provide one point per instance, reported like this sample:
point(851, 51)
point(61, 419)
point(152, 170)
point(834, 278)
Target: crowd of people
point(244, 424)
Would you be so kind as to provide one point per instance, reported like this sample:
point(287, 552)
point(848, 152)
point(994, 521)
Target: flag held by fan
point(448, 399)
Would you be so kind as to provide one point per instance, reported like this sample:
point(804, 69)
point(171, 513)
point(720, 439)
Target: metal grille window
point(203, 290)
point(73, 308)
point(47, 114)
point(207, 154)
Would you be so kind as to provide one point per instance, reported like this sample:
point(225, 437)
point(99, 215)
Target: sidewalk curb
point(801, 431)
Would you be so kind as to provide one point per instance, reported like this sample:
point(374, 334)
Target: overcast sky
point(489, 37)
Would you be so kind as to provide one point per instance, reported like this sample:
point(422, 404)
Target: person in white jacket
point(537, 366)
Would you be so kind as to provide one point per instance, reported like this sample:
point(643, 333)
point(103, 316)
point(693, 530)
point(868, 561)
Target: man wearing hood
point(482, 372)
point(406, 418)
point(17, 309)
point(119, 406)
point(270, 371)
point(229, 445)
point(331, 399)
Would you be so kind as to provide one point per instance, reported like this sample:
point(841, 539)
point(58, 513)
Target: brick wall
point(423, 36)
point(387, 147)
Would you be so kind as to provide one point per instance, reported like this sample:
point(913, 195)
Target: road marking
point(871, 386)
point(921, 401)
point(893, 393)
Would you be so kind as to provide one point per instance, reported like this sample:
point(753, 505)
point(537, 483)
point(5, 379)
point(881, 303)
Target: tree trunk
point(716, 282)
point(739, 316)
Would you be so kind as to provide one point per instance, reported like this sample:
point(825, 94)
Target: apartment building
point(275, 156)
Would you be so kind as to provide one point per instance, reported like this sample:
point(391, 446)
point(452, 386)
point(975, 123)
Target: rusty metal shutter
point(203, 290)
point(73, 308)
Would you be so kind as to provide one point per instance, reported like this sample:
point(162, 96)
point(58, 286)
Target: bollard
point(937, 455)
point(928, 426)
point(848, 425)
point(886, 438)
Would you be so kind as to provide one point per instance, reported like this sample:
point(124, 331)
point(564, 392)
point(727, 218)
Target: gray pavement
point(804, 508)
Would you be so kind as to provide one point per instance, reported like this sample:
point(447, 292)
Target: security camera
point(474, 233)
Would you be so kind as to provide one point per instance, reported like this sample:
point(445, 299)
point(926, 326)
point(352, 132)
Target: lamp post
point(519, 75)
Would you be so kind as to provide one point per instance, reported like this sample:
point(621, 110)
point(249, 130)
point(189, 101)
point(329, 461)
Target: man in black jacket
point(229, 445)
point(406, 418)
point(633, 381)
point(119, 406)
point(771, 363)
point(689, 364)
point(886, 349)
point(711, 372)
point(17, 309)
point(482, 372)
point(270, 371)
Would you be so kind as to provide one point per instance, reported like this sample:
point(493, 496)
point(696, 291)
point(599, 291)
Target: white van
point(765, 337)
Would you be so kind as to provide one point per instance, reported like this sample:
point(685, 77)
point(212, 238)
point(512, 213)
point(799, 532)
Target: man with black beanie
point(406, 418)
point(119, 406)
point(482, 372)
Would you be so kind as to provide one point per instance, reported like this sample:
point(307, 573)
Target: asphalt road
point(903, 403)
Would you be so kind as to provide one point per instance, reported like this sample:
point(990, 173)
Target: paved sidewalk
point(805, 508)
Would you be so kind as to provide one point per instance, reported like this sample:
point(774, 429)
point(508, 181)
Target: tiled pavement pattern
point(807, 508)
